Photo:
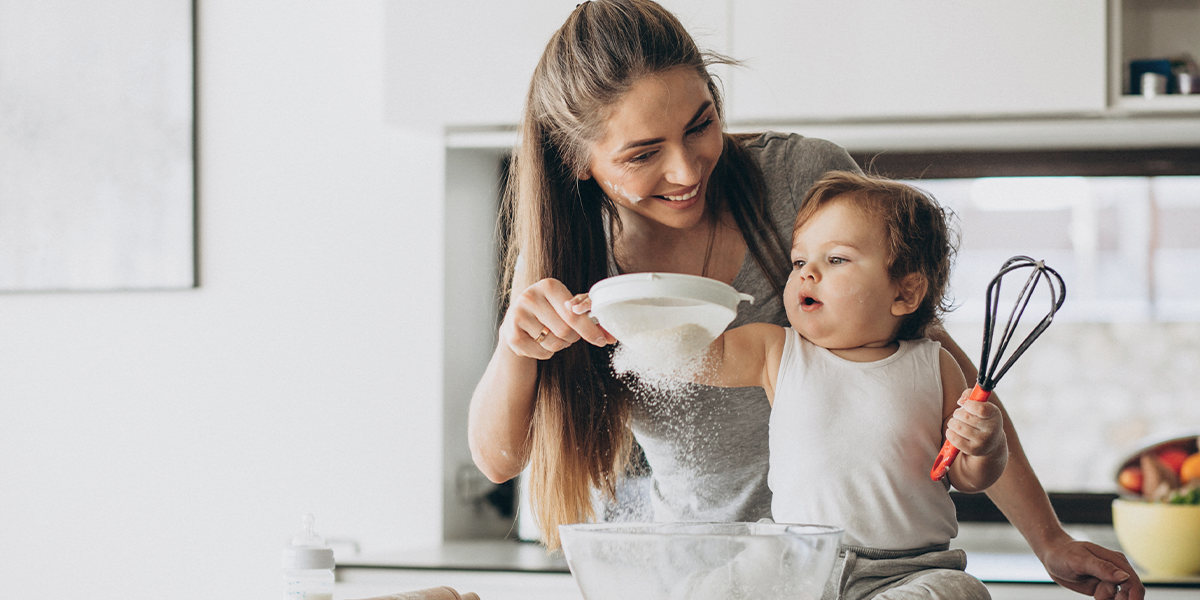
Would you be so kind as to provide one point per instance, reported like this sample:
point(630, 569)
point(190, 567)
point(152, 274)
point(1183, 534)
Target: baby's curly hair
point(919, 237)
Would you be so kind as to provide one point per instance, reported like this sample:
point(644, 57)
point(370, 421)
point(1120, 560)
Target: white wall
point(164, 445)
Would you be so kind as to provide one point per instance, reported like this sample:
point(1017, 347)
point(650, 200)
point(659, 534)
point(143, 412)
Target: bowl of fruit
point(1157, 517)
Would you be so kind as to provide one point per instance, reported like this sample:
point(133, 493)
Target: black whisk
point(991, 372)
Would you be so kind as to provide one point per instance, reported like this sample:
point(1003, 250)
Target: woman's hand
point(546, 317)
point(1092, 570)
point(542, 319)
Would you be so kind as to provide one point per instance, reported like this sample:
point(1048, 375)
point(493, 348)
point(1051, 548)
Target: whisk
point(991, 372)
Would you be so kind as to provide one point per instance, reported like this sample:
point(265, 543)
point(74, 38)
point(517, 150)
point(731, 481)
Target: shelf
point(1166, 104)
point(1151, 29)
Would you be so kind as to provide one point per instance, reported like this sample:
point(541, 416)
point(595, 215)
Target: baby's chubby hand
point(976, 428)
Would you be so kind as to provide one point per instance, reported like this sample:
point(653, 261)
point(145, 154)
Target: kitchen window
point(1128, 246)
point(1123, 229)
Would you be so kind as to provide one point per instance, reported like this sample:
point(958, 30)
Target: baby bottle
point(308, 566)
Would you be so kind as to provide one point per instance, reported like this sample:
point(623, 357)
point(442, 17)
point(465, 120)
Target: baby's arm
point(747, 356)
point(975, 428)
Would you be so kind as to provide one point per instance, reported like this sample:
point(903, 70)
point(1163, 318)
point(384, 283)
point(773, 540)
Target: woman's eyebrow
point(640, 143)
point(700, 112)
point(652, 141)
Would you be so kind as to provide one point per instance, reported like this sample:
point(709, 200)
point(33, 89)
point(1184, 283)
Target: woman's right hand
point(547, 317)
point(501, 410)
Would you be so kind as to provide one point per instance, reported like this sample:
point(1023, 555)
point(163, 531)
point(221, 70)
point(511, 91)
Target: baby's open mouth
point(809, 303)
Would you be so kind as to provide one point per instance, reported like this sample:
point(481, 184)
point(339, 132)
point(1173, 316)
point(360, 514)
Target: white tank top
point(851, 445)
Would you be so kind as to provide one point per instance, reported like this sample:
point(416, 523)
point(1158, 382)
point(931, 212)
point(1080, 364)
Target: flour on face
point(622, 192)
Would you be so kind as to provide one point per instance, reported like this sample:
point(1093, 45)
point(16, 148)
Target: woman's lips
point(688, 195)
point(681, 201)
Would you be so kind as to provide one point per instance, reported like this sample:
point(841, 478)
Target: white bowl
point(640, 309)
point(700, 561)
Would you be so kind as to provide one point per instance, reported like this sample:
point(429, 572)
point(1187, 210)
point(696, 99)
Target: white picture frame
point(97, 145)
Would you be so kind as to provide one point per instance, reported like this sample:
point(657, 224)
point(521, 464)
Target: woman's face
point(662, 140)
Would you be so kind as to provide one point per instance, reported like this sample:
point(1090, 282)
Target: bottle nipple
point(308, 537)
point(308, 550)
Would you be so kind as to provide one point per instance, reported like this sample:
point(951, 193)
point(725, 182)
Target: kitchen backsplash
point(1085, 393)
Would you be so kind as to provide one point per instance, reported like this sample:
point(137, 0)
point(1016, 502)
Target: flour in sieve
point(663, 358)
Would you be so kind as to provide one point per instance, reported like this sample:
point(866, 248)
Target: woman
point(623, 166)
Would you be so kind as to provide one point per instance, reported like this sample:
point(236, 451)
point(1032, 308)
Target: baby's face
point(839, 294)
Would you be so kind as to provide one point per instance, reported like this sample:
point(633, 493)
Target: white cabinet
point(464, 62)
point(468, 62)
point(888, 59)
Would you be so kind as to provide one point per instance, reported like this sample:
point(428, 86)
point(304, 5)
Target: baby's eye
point(797, 264)
point(836, 260)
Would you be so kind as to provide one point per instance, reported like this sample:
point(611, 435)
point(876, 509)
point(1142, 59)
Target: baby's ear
point(910, 292)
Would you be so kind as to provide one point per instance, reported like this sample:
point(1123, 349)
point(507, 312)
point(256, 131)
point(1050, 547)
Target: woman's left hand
point(1093, 570)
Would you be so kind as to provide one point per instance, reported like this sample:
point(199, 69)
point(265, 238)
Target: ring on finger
point(541, 336)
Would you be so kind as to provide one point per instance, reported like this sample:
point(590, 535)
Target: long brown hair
point(579, 438)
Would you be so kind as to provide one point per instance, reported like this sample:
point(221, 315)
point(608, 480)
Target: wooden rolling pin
point(437, 593)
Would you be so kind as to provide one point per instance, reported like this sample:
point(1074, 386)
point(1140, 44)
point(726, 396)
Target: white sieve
point(675, 313)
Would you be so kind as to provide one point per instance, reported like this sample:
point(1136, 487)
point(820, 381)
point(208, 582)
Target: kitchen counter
point(475, 555)
point(502, 569)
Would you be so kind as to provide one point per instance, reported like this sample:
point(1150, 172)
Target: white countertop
point(504, 569)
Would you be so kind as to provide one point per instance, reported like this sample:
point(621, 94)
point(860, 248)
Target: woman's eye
point(641, 158)
point(701, 128)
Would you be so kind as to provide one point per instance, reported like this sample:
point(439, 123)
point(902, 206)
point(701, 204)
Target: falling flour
point(662, 352)
point(663, 359)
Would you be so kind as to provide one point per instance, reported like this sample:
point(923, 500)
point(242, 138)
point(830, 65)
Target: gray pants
point(928, 574)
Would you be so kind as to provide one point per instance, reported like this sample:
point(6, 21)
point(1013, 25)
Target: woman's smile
point(681, 201)
point(688, 195)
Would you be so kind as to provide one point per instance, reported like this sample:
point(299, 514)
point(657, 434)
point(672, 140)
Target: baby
point(860, 397)
point(861, 400)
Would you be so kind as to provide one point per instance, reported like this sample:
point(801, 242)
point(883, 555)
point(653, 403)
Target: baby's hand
point(976, 428)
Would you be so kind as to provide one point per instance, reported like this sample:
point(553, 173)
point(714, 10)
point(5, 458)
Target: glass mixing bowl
point(700, 561)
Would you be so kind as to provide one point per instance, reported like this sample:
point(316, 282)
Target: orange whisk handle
point(948, 453)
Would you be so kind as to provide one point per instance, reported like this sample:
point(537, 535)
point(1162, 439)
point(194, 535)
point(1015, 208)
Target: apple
point(1173, 457)
point(1130, 478)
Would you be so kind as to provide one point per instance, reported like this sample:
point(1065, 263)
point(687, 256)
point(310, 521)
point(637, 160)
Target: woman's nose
point(683, 168)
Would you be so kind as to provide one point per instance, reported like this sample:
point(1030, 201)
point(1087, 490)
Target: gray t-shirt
point(706, 446)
